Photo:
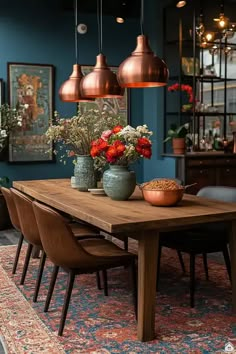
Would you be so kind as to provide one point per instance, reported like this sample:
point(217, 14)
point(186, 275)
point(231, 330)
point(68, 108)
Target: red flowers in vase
point(122, 145)
point(186, 88)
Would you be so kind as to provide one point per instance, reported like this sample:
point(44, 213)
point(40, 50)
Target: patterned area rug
point(100, 325)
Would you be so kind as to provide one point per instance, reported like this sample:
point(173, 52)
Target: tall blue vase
point(118, 182)
point(84, 173)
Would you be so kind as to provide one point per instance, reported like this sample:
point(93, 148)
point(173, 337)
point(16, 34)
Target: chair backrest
point(58, 241)
point(224, 194)
point(26, 215)
point(11, 208)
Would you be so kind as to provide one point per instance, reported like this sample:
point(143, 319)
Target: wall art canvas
point(31, 86)
point(115, 106)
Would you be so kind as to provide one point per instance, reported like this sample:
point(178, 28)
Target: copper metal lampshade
point(101, 81)
point(142, 68)
point(70, 89)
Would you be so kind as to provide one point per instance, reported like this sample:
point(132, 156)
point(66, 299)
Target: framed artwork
point(115, 106)
point(31, 87)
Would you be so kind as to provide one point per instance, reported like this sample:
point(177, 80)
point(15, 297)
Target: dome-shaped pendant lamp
point(101, 81)
point(70, 89)
point(143, 68)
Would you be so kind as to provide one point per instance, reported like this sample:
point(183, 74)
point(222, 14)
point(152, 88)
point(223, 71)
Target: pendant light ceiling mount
point(143, 68)
point(101, 81)
point(70, 89)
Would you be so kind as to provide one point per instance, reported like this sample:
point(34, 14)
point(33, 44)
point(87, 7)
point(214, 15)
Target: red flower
point(71, 153)
point(147, 153)
point(144, 142)
point(94, 151)
point(117, 129)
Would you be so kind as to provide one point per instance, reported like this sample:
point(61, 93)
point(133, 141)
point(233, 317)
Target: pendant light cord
point(99, 22)
point(141, 17)
point(76, 33)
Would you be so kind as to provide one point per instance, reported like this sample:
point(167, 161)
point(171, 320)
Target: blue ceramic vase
point(118, 182)
point(84, 173)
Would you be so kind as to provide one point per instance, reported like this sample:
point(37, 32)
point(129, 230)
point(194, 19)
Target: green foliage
point(177, 132)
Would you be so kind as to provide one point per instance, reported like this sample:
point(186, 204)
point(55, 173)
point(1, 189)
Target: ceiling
point(110, 7)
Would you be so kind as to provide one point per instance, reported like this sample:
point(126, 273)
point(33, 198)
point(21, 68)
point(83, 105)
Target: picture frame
point(31, 87)
point(116, 106)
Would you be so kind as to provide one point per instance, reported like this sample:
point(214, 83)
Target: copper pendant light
point(143, 68)
point(101, 81)
point(70, 89)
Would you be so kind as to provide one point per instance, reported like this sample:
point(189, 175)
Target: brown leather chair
point(15, 222)
point(85, 256)
point(31, 234)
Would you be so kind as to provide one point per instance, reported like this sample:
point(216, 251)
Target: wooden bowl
point(163, 197)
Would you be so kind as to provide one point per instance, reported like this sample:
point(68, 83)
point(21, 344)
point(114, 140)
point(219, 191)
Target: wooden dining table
point(140, 221)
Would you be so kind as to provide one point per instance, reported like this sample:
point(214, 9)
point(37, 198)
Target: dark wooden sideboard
point(206, 169)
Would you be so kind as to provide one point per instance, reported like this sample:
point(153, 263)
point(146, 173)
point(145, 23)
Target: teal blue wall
point(39, 32)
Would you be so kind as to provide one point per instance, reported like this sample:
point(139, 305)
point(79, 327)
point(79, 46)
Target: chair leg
point(126, 243)
point(98, 281)
point(158, 264)
point(104, 276)
point(39, 277)
point(51, 287)
point(70, 284)
point(204, 255)
point(21, 238)
point(135, 294)
point(227, 261)
point(181, 261)
point(26, 264)
point(192, 278)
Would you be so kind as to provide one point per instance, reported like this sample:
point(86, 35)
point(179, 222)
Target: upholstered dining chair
point(85, 256)
point(30, 231)
point(15, 222)
point(202, 239)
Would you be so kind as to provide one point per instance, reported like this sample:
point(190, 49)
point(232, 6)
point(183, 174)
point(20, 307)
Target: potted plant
point(178, 136)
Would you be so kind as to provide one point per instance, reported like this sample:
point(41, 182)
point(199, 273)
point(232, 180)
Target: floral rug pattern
point(103, 325)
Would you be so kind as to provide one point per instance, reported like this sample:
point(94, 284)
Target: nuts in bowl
point(162, 192)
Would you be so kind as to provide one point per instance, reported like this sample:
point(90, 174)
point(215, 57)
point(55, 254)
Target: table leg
point(147, 272)
point(232, 248)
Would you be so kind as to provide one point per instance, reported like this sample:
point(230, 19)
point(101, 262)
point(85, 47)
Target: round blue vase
point(84, 173)
point(118, 182)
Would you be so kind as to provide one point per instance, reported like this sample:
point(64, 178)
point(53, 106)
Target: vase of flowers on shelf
point(118, 148)
point(74, 136)
point(189, 91)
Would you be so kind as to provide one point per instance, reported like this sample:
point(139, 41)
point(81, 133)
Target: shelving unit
point(213, 84)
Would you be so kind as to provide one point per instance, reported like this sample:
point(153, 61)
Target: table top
point(132, 215)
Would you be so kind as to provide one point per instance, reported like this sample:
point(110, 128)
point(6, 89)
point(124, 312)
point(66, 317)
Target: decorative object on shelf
point(70, 89)
point(188, 66)
point(178, 135)
point(84, 173)
point(101, 81)
point(185, 88)
point(143, 68)
point(119, 148)
point(33, 85)
point(10, 120)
